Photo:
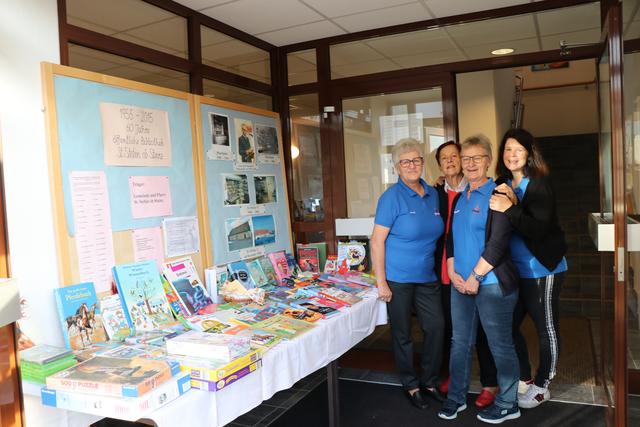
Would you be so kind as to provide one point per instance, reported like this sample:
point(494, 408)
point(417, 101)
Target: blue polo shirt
point(528, 265)
point(468, 227)
point(415, 226)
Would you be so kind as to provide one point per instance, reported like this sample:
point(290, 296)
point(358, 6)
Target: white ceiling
point(312, 19)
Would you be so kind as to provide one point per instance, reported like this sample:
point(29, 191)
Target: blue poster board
point(81, 147)
point(220, 175)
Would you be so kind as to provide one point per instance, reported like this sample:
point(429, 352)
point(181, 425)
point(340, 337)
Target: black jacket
point(536, 219)
point(496, 250)
point(443, 199)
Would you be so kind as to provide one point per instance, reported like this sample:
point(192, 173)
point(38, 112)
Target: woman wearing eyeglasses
point(537, 248)
point(485, 288)
point(407, 226)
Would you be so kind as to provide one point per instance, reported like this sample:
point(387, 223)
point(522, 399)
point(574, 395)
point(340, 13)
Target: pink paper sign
point(150, 196)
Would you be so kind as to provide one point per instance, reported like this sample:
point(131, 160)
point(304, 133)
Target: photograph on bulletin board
point(246, 145)
point(236, 189)
point(265, 186)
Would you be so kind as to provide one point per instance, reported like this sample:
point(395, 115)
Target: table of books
point(282, 366)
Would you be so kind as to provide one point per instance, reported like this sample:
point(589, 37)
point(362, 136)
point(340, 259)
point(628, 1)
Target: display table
point(282, 366)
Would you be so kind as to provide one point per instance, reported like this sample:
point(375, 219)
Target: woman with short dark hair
point(537, 249)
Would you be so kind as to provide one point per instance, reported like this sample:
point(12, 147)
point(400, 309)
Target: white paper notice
point(147, 245)
point(399, 126)
point(150, 196)
point(181, 236)
point(134, 136)
point(252, 252)
point(248, 210)
point(92, 218)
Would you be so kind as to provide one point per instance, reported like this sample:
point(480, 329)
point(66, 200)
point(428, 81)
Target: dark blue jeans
point(424, 298)
point(495, 311)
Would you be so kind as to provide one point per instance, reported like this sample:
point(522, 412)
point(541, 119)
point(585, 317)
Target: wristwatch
point(479, 277)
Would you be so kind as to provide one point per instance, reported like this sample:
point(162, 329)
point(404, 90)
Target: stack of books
point(129, 387)
point(37, 363)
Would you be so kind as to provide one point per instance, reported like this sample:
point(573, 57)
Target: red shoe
point(485, 398)
point(444, 386)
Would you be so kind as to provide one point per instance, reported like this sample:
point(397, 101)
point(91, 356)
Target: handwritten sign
point(150, 196)
point(134, 136)
point(252, 252)
point(252, 210)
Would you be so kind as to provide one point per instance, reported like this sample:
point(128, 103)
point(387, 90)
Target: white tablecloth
point(282, 366)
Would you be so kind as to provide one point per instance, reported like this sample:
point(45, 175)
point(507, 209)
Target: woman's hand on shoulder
point(499, 203)
point(506, 189)
point(439, 181)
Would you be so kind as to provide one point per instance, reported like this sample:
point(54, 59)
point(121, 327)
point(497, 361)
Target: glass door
point(614, 274)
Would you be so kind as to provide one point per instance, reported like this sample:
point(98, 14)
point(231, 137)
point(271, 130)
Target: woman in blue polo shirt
point(537, 248)
point(485, 288)
point(407, 227)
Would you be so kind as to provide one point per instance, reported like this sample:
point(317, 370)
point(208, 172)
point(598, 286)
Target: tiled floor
point(271, 409)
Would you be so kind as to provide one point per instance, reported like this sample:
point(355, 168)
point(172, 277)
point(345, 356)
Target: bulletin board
point(137, 142)
point(246, 200)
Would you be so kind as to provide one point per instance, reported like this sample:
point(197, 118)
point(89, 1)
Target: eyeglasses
point(416, 161)
point(476, 159)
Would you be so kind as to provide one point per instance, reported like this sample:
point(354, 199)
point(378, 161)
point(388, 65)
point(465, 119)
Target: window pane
point(119, 66)
point(132, 20)
point(631, 20)
point(372, 125)
point(306, 158)
point(301, 67)
point(223, 52)
point(526, 33)
point(226, 92)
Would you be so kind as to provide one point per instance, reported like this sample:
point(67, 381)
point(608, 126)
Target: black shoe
point(433, 393)
point(417, 400)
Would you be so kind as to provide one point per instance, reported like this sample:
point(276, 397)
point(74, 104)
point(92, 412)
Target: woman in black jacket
point(537, 248)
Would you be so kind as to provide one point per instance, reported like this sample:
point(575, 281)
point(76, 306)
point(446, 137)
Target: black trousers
point(488, 371)
point(539, 298)
point(425, 299)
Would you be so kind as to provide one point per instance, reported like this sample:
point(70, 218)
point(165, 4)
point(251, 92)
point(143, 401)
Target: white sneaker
point(533, 397)
point(523, 386)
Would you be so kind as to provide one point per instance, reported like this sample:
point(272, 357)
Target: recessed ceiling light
point(504, 51)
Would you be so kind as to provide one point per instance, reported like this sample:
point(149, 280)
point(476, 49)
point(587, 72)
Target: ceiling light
point(503, 51)
point(295, 152)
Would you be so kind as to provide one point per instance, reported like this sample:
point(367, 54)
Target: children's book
point(294, 268)
point(184, 278)
point(301, 314)
point(340, 296)
point(239, 271)
point(356, 254)
point(331, 266)
point(143, 296)
point(80, 316)
point(113, 318)
point(286, 327)
point(308, 258)
point(268, 270)
point(314, 305)
point(130, 409)
point(257, 274)
point(215, 277)
point(280, 266)
point(211, 346)
point(177, 307)
point(42, 354)
point(322, 252)
point(112, 376)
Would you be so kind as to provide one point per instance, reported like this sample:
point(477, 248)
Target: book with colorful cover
point(211, 346)
point(130, 409)
point(269, 271)
point(257, 274)
point(261, 339)
point(294, 268)
point(331, 265)
point(215, 278)
point(113, 318)
point(329, 303)
point(177, 307)
point(143, 296)
point(356, 253)
point(214, 370)
point(280, 266)
point(239, 271)
point(286, 327)
point(213, 386)
point(42, 354)
point(311, 304)
point(308, 258)
point(113, 376)
point(80, 316)
point(183, 276)
point(341, 296)
point(261, 313)
point(301, 314)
